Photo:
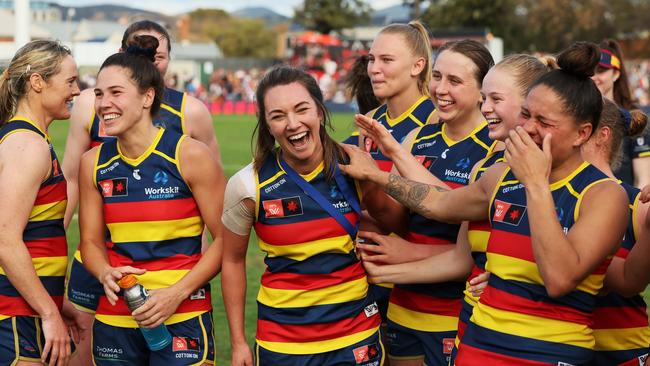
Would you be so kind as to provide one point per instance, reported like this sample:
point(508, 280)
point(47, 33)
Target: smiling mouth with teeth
point(110, 116)
point(493, 121)
point(298, 138)
point(442, 102)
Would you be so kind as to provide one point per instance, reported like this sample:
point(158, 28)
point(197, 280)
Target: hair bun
point(143, 45)
point(580, 59)
point(637, 122)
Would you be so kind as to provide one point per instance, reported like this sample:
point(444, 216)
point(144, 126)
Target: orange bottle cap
point(127, 281)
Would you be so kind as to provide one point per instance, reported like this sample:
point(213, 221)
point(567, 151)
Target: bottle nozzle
point(127, 281)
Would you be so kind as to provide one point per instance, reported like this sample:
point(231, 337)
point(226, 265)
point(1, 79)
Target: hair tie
point(139, 51)
point(627, 118)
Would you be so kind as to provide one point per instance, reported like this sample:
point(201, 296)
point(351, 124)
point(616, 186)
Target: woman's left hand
point(528, 162)
point(478, 284)
point(161, 304)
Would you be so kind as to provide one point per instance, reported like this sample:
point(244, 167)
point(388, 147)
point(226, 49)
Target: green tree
point(244, 38)
point(325, 16)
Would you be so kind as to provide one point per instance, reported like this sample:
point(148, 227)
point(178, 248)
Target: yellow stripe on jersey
point(409, 112)
point(126, 321)
point(621, 339)
point(421, 321)
point(576, 210)
point(146, 231)
point(303, 251)
point(551, 330)
point(47, 266)
point(14, 131)
point(310, 348)
point(77, 255)
point(170, 109)
point(48, 211)
point(470, 299)
point(644, 154)
point(345, 292)
point(478, 240)
point(471, 135)
point(161, 279)
point(510, 268)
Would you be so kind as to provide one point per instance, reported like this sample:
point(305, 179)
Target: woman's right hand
point(57, 340)
point(111, 275)
point(371, 131)
point(361, 165)
point(241, 355)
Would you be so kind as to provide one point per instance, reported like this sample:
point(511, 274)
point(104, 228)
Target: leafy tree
point(325, 16)
point(245, 38)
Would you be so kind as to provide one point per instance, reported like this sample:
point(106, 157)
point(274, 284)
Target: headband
point(609, 60)
point(627, 117)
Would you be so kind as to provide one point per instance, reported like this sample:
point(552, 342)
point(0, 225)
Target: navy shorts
point(632, 357)
point(405, 343)
point(83, 290)
point(22, 339)
point(192, 344)
point(368, 352)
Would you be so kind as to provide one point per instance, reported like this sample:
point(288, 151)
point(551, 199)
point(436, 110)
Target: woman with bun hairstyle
point(555, 219)
point(179, 112)
point(620, 318)
point(36, 88)
point(504, 90)
point(612, 81)
point(145, 197)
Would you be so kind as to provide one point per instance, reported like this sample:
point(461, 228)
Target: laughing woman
point(313, 305)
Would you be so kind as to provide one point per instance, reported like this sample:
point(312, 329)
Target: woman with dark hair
point(313, 303)
point(612, 81)
point(179, 112)
point(555, 222)
point(145, 197)
point(359, 85)
point(36, 88)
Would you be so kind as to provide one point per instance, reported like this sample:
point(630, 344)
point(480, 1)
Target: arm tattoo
point(411, 194)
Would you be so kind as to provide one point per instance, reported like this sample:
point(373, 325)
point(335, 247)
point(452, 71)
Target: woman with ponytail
point(612, 80)
point(620, 319)
point(36, 88)
point(144, 199)
point(555, 220)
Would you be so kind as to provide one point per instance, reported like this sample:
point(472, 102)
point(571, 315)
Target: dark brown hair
point(621, 123)
point(145, 25)
point(622, 94)
point(358, 83)
point(475, 51)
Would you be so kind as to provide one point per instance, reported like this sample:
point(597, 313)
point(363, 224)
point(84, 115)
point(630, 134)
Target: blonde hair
point(41, 57)
point(417, 40)
point(526, 69)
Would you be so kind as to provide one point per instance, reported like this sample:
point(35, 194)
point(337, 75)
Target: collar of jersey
point(145, 154)
point(311, 175)
point(31, 123)
point(393, 121)
point(451, 142)
point(562, 182)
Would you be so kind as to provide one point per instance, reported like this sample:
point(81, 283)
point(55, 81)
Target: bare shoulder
point(194, 108)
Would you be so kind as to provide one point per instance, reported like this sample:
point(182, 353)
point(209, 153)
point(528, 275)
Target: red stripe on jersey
point(506, 301)
point(178, 261)
point(293, 281)
point(425, 304)
point(270, 331)
point(302, 232)
point(602, 268)
point(51, 193)
point(385, 165)
point(468, 355)
point(622, 253)
point(480, 225)
point(416, 238)
point(120, 308)
point(15, 306)
point(461, 328)
point(501, 242)
point(48, 247)
point(619, 317)
point(94, 143)
point(160, 210)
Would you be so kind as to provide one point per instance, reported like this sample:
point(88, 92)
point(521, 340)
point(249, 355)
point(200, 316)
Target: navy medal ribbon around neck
point(343, 185)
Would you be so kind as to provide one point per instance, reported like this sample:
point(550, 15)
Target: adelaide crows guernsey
point(171, 117)
point(621, 323)
point(516, 321)
point(314, 293)
point(416, 116)
point(435, 307)
point(44, 235)
point(153, 222)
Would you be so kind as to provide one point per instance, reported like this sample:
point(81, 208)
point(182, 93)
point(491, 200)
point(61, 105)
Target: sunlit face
point(118, 102)
point(162, 53)
point(294, 121)
point(457, 94)
point(502, 102)
point(60, 89)
point(605, 79)
point(543, 113)
point(392, 67)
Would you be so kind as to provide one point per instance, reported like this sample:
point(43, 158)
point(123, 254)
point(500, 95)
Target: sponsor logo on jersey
point(56, 169)
point(198, 294)
point(508, 213)
point(275, 185)
point(447, 345)
point(160, 177)
point(564, 364)
point(371, 145)
point(115, 187)
point(463, 163)
point(643, 360)
point(185, 344)
point(136, 174)
point(284, 207)
point(366, 353)
point(371, 309)
point(110, 168)
point(426, 161)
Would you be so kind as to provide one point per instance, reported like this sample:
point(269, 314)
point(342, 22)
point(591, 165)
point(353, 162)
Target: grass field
point(234, 135)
